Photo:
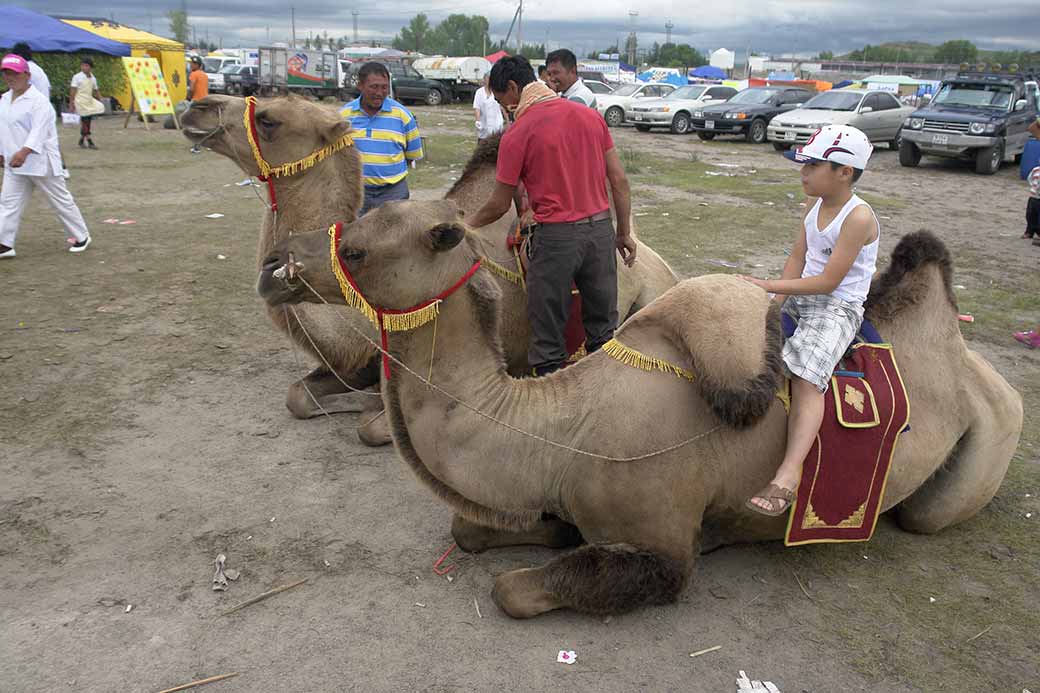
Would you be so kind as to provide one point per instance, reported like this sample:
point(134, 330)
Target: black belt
point(601, 216)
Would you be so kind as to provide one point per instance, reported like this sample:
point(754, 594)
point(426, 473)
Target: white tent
point(722, 58)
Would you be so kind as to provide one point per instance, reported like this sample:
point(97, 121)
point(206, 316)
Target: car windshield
point(627, 89)
point(687, 93)
point(754, 96)
point(834, 101)
point(211, 64)
point(229, 69)
point(980, 95)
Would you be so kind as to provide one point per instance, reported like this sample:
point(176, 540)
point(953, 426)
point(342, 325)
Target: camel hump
point(895, 289)
point(730, 332)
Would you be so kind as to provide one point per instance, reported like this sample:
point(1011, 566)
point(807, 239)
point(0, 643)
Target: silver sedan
point(877, 113)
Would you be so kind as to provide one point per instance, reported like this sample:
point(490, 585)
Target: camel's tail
point(895, 288)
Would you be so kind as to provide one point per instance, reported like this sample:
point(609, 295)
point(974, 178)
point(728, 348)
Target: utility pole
point(668, 26)
point(355, 13)
point(292, 20)
point(520, 29)
point(632, 14)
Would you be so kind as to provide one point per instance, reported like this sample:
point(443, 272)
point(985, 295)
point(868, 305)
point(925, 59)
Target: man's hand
point(760, 283)
point(19, 157)
point(626, 247)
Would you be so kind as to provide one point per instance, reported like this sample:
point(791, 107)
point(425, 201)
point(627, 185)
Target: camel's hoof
point(374, 430)
point(303, 406)
point(520, 594)
point(470, 537)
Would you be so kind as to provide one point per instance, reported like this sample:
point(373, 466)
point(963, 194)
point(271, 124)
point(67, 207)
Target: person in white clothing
point(824, 284)
point(37, 77)
point(85, 98)
point(30, 158)
point(487, 112)
point(562, 72)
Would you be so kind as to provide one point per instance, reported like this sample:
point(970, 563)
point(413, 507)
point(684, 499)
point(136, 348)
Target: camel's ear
point(445, 236)
point(335, 130)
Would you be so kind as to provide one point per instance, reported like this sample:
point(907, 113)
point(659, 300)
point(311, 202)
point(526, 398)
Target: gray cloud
point(771, 26)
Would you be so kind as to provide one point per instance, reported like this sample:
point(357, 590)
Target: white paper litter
point(128, 608)
point(566, 657)
point(215, 215)
point(755, 686)
point(222, 257)
point(244, 183)
point(931, 600)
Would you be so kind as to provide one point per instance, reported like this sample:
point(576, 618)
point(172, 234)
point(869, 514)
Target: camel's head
point(399, 255)
point(288, 128)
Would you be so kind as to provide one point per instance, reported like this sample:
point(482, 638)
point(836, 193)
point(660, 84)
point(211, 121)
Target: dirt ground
point(144, 432)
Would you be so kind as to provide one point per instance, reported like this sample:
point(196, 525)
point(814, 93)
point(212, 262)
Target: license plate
point(940, 139)
point(710, 124)
point(789, 135)
point(639, 117)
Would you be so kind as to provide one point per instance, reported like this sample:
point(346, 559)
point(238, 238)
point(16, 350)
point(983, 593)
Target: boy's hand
point(760, 283)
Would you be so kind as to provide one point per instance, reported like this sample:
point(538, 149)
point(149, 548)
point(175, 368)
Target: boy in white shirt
point(824, 284)
point(487, 112)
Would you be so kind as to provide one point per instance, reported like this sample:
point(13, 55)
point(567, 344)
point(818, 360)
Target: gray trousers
point(377, 196)
point(584, 254)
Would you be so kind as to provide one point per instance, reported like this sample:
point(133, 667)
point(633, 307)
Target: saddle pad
point(843, 476)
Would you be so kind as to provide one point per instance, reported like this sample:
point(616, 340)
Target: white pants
point(15, 194)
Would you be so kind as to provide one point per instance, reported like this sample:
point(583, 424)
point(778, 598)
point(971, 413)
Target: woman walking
point(84, 97)
point(30, 158)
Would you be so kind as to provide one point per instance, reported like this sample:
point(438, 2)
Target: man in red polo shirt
point(563, 154)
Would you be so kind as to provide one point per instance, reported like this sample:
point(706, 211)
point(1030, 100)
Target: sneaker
point(90, 143)
point(81, 246)
point(6, 252)
point(1031, 338)
point(82, 143)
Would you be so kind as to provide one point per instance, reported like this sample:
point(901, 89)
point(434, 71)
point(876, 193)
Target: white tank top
point(819, 244)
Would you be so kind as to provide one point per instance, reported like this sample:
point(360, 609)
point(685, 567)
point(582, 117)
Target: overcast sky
point(770, 26)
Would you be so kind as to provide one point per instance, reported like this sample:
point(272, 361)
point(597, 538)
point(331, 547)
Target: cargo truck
point(293, 70)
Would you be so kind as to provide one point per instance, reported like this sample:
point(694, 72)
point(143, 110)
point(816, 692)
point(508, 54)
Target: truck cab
point(979, 116)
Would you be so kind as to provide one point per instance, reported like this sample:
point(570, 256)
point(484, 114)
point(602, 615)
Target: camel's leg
point(971, 475)
point(373, 426)
point(551, 531)
point(329, 393)
point(596, 579)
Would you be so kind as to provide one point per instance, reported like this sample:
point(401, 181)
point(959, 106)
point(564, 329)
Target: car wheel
point(894, 144)
point(757, 131)
point(781, 147)
point(988, 159)
point(706, 136)
point(614, 116)
point(681, 124)
point(909, 154)
point(434, 97)
point(643, 128)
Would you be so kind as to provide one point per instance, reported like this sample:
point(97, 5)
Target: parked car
point(597, 87)
point(877, 113)
point(408, 84)
point(214, 67)
point(673, 111)
point(242, 80)
point(612, 106)
point(982, 117)
point(748, 113)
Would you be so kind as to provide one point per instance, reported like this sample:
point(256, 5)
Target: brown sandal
point(780, 500)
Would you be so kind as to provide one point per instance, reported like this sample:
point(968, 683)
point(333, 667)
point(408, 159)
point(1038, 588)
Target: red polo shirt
point(557, 149)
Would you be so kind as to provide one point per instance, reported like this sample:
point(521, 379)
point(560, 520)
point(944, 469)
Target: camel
point(636, 471)
point(331, 192)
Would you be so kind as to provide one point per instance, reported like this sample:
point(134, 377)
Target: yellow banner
point(146, 81)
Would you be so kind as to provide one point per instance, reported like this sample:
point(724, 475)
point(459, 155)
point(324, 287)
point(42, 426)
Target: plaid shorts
point(826, 327)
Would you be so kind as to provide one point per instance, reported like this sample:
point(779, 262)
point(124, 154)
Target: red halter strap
point(381, 312)
point(251, 119)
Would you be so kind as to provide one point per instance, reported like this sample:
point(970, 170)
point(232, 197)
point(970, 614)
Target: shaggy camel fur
point(289, 129)
point(643, 521)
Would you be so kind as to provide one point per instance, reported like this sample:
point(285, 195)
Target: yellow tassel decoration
point(294, 167)
point(501, 271)
point(631, 357)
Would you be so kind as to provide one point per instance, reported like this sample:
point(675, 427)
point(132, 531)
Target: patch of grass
point(443, 154)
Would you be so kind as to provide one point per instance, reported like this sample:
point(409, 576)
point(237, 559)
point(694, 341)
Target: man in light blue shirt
point(386, 134)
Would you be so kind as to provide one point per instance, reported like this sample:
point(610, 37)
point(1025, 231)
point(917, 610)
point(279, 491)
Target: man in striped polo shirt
point(385, 133)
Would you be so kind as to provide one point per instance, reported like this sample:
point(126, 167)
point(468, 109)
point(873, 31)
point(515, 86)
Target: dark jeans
point(377, 196)
point(84, 126)
point(1033, 217)
point(584, 254)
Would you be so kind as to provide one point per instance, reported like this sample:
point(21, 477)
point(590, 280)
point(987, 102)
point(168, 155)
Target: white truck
point(311, 72)
point(461, 76)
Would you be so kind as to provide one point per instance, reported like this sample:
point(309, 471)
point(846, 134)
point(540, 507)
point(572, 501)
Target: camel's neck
point(310, 200)
point(457, 446)
point(474, 190)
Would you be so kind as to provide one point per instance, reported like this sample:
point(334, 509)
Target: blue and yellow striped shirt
point(387, 141)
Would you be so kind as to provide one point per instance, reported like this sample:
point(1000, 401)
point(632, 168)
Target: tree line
point(950, 53)
point(456, 35)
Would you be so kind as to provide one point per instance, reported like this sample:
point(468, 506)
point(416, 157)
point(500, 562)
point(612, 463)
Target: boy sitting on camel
point(824, 284)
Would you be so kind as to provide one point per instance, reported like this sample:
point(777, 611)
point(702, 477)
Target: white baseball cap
point(840, 144)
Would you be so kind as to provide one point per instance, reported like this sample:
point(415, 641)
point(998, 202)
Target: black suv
point(979, 116)
point(748, 113)
point(243, 81)
point(408, 84)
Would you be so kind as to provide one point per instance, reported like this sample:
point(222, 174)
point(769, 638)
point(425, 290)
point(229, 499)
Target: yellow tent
point(168, 52)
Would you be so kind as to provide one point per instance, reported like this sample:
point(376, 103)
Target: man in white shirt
point(37, 77)
point(562, 71)
point(487, 112)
